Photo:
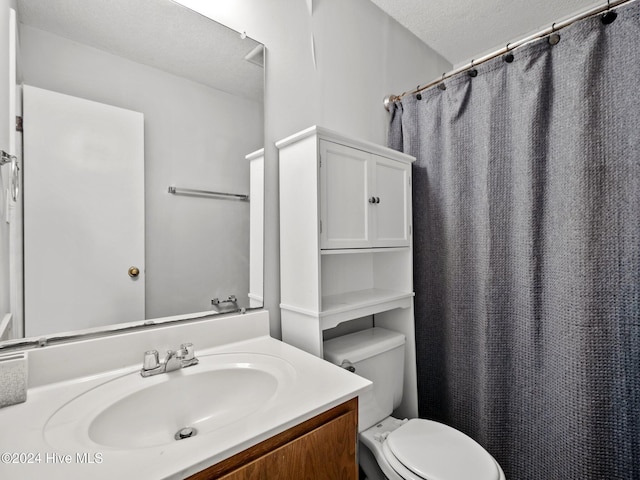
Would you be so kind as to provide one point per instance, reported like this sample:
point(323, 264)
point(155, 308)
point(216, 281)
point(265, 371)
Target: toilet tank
point(376, 354)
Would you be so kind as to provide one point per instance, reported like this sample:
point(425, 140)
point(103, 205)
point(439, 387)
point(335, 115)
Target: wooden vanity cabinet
point(322, 448)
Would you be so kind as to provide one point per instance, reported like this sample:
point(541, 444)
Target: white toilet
point(413, 449)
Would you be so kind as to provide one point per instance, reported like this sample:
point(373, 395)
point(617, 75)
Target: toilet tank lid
point(361, 345)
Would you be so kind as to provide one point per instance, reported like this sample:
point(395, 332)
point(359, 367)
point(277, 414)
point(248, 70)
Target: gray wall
point(361, 56)
point(195, 137)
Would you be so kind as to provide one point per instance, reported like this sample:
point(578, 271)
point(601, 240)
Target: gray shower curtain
point(527, 252)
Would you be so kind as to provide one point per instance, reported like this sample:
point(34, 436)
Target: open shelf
point(350, 305)
point(363, 298)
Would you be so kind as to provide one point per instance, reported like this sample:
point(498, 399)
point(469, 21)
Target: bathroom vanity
point(257, 405)
point(321, 448)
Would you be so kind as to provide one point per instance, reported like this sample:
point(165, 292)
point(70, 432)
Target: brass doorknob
point(134, 272)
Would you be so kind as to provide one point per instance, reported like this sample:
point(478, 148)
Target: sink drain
point(185, 432)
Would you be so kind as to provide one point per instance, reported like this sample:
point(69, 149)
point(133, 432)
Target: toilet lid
point(437, 452)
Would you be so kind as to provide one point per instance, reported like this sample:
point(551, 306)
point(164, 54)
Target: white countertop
point(319, 385)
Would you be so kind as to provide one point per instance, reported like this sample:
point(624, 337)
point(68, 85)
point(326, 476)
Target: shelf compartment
point(351, 305)
point(363, 271)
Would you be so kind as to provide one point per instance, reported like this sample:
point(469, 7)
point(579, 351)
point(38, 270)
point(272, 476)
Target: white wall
point(191, 140)
point(361, 56)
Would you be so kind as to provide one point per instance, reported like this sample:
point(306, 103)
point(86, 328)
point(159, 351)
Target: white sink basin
point(134, 412)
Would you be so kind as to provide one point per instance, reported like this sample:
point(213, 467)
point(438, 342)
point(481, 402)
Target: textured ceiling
point(158, 33)
point(168, 36)
point(461, 30)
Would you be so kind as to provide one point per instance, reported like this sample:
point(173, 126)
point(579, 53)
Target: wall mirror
point(141, 194)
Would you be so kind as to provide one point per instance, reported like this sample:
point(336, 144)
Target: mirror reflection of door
point(83, 213)
point(200, 90)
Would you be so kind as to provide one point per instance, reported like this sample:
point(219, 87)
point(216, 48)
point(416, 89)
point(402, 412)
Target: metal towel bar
point(193, 191)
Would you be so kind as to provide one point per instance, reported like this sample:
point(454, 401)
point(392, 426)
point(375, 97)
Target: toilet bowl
point(424, 450)
point(401, 449)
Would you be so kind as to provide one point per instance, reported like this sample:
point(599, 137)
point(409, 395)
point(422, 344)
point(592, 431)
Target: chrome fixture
point(347, 365)
point(5, 157)
point(15, 176)
point(225, 306)
point(175, 360)
point(186, 432)
point(207, 193)
point(607, 18)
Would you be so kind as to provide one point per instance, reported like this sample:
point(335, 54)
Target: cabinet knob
point(377, 199)
point(372, 200)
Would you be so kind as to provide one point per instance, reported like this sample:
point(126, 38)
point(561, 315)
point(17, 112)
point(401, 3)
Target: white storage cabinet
point(364, 198)
point(345, 235)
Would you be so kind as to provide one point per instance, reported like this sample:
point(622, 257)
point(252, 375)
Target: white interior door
point(83, 213)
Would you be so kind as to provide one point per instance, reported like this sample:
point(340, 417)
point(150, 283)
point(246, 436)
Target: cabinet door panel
point(391, 219)
point(326, 453)
point(344, 208)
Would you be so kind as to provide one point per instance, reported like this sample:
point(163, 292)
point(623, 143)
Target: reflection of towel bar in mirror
point(193, 191)
point(225, 306)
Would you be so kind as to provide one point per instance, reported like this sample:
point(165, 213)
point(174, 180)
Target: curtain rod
point(388, 100)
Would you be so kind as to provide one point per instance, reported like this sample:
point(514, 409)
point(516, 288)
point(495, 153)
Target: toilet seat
point(398, 468)
point(433, 451)
point(425, 450)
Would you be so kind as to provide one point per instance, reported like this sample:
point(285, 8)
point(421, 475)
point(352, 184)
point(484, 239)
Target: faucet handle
point(151, 360)
point(187, 351)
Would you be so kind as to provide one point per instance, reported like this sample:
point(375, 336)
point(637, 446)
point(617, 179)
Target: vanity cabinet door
point(322, 448)
point(326, 453)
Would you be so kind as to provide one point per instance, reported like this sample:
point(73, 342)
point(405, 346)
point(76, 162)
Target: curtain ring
point(508, 57)
point(473, 72)
point(418, 94)
point(554, 38)
point(609, 16)
point(441, 85)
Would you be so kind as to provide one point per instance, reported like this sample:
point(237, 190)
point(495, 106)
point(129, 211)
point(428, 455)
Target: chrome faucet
point(175, 360)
